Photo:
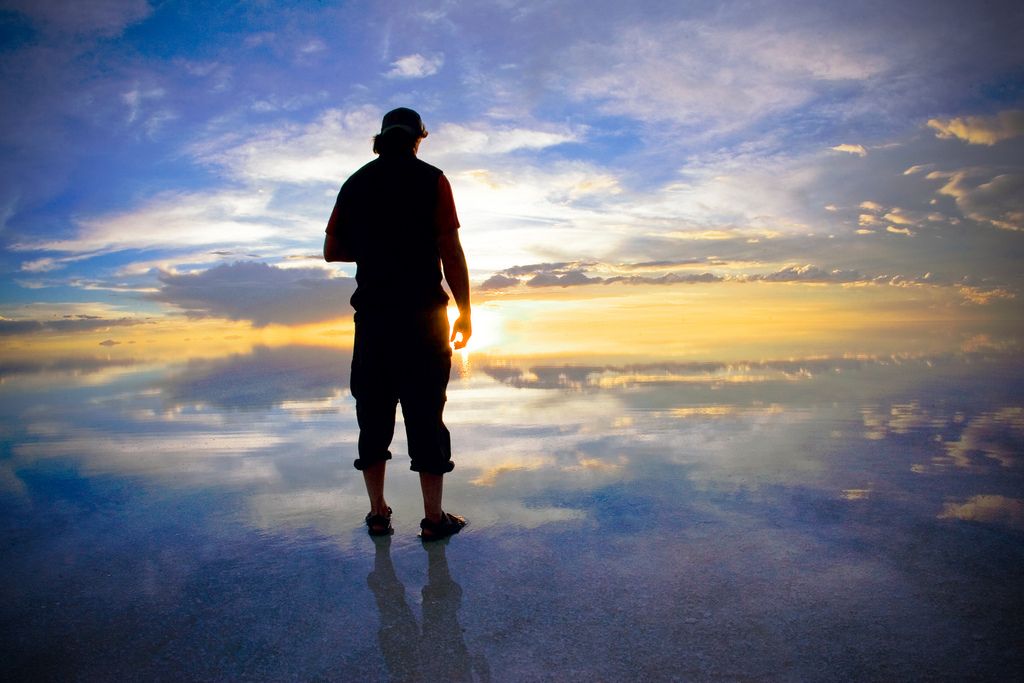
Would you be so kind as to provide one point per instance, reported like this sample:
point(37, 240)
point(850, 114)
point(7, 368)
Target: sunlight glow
point(720, 321)
point(487, 326)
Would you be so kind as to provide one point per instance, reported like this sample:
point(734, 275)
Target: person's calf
point(432, 487)
point(373, 477)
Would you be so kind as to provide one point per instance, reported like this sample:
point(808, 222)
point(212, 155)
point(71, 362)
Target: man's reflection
point(437, 652)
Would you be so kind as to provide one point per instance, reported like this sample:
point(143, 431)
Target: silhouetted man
point(395, 217)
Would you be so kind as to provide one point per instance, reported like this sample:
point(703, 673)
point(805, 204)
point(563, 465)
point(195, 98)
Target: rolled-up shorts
point(402, 358)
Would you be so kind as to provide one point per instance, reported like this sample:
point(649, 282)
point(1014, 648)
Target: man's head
point(400, 131)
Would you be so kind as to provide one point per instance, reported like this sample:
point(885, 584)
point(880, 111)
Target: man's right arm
point(336, 246)
point(334, 250)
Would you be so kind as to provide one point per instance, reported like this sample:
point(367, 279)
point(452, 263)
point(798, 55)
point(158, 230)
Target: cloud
point(980, 130)
point(982, 296)
point(541, 275)
point(851, 149)
point(136, 98)
point(918, 168)
point(325, 150)
point(263, 378)
point(101, 17)
point(66, 324)
point(416, 66)
point(534, 268)
point(667, 279)
point(498, 281)
point(810, 273)
point(899, 231)
point(452, 138)
point(971, 290)
point(712, 76)
point(172, 220)
point(898, 217)
point(696, 373)
point(990, 509)
point(572, 277)
point(993, 435)
point(568, 274)
point(74, 365)
point(515, 211)
point(41, 265)
point(259, 293)
point(999, 200)
point(312, 46)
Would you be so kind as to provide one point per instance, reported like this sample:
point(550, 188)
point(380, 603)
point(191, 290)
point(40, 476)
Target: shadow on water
point(437, 650)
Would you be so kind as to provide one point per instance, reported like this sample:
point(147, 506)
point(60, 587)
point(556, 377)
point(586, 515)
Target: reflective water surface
point(822, 518)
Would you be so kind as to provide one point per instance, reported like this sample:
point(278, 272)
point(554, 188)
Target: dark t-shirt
point(390, 213)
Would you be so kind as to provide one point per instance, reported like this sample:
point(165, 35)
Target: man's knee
point(437, 466)
point(430, 445)
point(364, 462)
point(376, 430)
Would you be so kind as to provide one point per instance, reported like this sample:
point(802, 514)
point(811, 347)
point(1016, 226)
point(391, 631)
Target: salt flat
point(832, 517)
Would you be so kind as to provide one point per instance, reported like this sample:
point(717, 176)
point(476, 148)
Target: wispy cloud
point(477, 139)
point(718, 77)
point(416, 66)
point(68, 324)
point(981, 130)
point(851, 149)
point(135, 98)
point(173, 220)
point(325, 150)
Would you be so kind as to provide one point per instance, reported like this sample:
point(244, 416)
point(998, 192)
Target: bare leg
point(432, 486)
point(373, 477)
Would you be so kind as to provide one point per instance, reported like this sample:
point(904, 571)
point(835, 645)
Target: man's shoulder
point(381, 171)
point(364, 171)
point(382, 165)
point(433, 170)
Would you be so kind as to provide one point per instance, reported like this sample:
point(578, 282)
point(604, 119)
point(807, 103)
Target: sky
point(169, 167)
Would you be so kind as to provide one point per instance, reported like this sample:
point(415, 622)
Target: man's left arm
point(456, 272)
point(453, 260)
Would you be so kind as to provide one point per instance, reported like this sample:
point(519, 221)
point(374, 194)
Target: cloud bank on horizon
point(183, 157)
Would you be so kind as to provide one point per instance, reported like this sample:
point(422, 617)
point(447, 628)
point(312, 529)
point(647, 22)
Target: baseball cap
point(406, 119)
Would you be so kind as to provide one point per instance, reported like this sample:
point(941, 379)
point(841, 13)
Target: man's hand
point(457, 274)
point(464, 326)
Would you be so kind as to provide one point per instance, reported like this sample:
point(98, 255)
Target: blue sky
point(174, 157)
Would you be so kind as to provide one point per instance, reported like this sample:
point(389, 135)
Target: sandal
point(449, 524)
point(379, 525)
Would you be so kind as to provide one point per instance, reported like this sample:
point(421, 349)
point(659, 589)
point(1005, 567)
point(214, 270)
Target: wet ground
point(830, 518)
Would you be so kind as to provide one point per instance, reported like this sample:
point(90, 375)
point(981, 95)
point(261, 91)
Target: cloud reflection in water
point(838, 478)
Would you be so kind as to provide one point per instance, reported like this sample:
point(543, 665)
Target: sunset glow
point(647, 181)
